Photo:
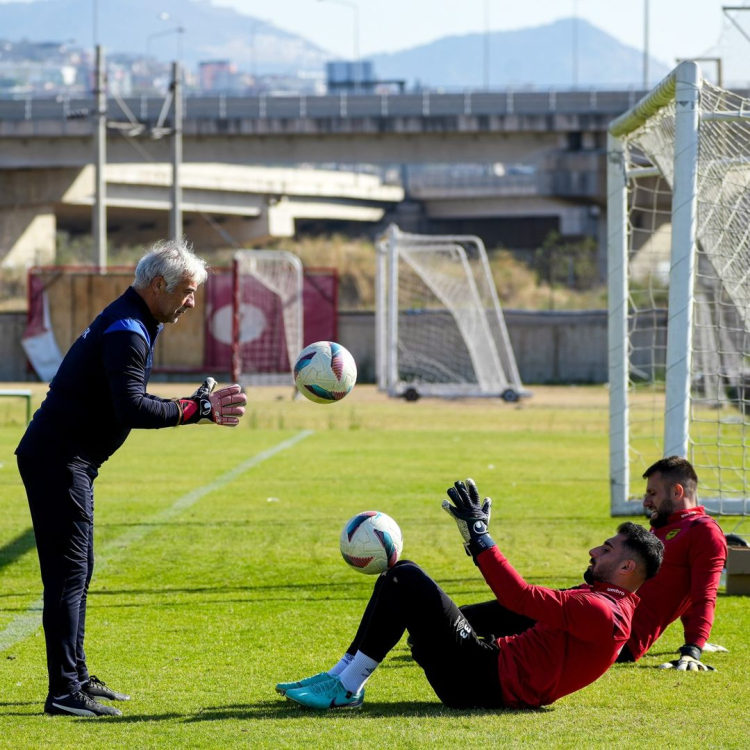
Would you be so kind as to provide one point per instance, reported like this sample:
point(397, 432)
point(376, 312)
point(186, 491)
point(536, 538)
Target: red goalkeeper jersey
point(577, 636)
point(695, 551)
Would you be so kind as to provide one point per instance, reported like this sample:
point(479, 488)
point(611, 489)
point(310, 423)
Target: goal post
point(267, 319)
point(440, 330)
point(679, 289)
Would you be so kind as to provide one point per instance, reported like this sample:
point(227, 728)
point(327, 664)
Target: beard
point(662, 516)
point(601, 572)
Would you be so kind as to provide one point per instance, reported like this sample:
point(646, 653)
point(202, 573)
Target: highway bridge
point(558, 137)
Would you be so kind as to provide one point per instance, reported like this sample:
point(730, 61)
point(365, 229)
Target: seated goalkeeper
point(575, 637)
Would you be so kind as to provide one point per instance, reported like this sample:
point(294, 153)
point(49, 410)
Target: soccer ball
point(371, 542)
point(325, 372)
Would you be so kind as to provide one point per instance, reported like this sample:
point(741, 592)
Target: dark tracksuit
point(97, 396)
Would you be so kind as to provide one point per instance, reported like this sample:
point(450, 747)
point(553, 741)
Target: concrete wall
point(550, 347)
point(559, 347)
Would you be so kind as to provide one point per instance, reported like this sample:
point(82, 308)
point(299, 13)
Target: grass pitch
point(218, 575)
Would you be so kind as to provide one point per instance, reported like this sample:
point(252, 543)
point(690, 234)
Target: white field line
point(30, 621)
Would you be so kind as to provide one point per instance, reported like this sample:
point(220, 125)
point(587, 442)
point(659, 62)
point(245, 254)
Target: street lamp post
point(355, 36)
point(179, 30)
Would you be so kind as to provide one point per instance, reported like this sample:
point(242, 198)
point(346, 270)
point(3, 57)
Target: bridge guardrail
point(419, 104)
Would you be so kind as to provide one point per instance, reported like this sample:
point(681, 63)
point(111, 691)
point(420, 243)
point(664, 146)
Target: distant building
point(355, 77)
point(219, 76)
point(345, 75)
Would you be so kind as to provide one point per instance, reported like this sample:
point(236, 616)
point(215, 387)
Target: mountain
point(134, 26)
point(538, 56)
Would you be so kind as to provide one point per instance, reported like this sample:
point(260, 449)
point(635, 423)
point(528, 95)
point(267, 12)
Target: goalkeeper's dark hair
point(646, 547)
point(676, 470)
point(173, 260)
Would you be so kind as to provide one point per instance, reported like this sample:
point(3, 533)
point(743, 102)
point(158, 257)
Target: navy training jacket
point(99, 392)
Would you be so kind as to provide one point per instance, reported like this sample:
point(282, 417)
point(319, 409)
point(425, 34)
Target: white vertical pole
point(392, 330)
point(99, 216)
point(682, 267)
point(617, 284)
point(381, 313)
point(175, 216)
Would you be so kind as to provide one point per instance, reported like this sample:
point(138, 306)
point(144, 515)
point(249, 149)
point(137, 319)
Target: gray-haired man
point(96, 398)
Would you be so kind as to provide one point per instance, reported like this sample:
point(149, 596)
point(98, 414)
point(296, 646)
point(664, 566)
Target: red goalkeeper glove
point(223, 407)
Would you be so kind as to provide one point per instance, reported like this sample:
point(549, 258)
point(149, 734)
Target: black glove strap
point(690, 649)
point(480, 544)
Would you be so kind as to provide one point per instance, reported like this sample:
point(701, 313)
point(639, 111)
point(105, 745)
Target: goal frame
point(387, 312)
point(683, 87)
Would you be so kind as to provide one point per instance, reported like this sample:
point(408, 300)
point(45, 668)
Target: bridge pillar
point(27, 236)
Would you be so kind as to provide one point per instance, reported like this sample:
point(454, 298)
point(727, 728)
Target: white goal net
point(267, 322)
point(440, 330)
point(679, 289)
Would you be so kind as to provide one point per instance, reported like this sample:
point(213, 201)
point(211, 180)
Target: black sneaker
point(95, 688)
point(78, 704)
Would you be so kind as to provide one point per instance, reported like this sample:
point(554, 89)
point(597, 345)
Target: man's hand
point(472, 516)
point(689, 661)
point(223, 407)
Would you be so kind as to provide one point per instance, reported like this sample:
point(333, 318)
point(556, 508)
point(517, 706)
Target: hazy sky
point(678, 28)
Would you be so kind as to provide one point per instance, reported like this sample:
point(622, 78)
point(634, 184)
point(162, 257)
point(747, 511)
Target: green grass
point(199, 613)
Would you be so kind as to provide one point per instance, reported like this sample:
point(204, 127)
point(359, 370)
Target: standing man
point(575, 638)
point(695, 551)
point(96, 398)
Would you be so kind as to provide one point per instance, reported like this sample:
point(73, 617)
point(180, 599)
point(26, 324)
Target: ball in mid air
point(371, 542)
point(325, 372)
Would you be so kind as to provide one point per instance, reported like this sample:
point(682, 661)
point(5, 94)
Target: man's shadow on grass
point(288, 711)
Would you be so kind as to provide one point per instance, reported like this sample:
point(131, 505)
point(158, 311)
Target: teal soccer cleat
point(283, 687)
point(329, 693)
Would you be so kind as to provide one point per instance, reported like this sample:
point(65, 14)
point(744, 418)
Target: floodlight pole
point(99, 214)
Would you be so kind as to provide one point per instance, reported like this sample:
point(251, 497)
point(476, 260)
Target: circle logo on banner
point(253, 323)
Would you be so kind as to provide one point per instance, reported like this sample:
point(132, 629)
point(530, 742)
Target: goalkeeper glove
point(714, 648)
point(689, 661)
point(472, 516)
point(223, 407)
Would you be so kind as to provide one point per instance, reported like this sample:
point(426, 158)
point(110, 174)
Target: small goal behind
point(439, 327)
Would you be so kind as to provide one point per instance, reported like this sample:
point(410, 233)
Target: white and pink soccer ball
point(371, 542)
point(325, 372)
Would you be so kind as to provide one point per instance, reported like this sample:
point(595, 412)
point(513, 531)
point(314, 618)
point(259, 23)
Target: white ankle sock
point(344, 662)
point(354, 677)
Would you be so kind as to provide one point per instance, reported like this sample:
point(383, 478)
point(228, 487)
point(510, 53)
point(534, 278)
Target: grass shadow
point(287, 710)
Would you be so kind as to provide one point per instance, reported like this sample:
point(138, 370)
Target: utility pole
point(486, 45)
point(99, 216)
point(175, 216)
point(645, 45)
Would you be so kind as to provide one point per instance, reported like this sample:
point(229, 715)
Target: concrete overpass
point(221, 203)
point(46, 146)
point(376, 129)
